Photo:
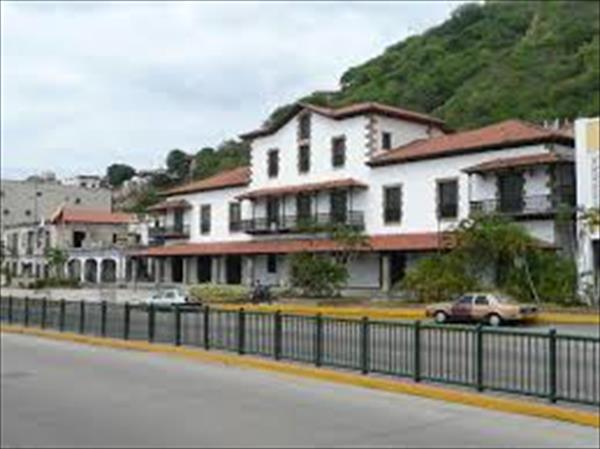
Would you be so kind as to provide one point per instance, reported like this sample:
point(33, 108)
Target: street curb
point(387, 314)
point(392, 386)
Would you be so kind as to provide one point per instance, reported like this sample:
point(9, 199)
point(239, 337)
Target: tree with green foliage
point(56, 259)
point(317, 275)
point(178, 164)
point(491, 252)
point(117, 174)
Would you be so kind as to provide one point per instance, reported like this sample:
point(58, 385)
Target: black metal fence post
point(364, 345)
point(151, 313)
point(206, 328)
point(241, 331)
point(552, 367)
point(10, 309)
point(61, 316)
point(81, 316)
point(26, 312)
point(417, 352)
point(126, 321)
point(479, 357)
point(318, 339)
point(177, 312)
point(277, 336)
point(44, 313)
point(103, 319)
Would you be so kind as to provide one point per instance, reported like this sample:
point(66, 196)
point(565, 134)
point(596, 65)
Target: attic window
point(386, 140)
point(304, 127)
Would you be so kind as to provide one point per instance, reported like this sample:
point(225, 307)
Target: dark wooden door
point(203, 269)
point(234, 269)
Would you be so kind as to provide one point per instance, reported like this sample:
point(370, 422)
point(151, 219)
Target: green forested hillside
point(488, 62)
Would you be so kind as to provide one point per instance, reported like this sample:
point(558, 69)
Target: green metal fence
point(559, 367)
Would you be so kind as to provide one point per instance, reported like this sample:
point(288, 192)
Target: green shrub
point(317, 275)
point(437, 278)
point(220, 293)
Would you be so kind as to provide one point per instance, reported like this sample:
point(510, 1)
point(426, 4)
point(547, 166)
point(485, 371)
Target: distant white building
point(84, 181)
point(399, 175)
point(587, 135)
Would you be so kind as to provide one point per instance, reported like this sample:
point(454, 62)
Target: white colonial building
point(400, 176)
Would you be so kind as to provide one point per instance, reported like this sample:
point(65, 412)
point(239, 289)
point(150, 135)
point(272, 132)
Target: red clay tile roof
point(90, 216)
point(406, 242)
point(345, 112)
point(231, 178)
point(310, 187)
point(510, 133)
point(168, 205)
point(519, 161)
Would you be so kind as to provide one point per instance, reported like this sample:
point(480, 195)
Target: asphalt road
point(67, 395)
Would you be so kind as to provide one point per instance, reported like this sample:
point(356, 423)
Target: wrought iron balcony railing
point(527, 205)
point(172, 231)
point(295, 223)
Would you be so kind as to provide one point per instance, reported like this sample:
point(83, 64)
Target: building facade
point(93, 240)
point(401, 177)
point(587, 132)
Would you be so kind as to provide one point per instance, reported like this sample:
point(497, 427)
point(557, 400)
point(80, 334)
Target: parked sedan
point(490, 308)
point(167, 297)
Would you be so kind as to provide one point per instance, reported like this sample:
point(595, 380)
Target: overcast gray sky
point(87, 84)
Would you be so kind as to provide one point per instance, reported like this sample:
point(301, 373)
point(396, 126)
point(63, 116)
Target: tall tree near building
point(178, 164)
point(117, 174)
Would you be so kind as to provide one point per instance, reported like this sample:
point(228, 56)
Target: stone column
point(98, 270)
point(82, 270)
point(186, 266)
point(386, 284)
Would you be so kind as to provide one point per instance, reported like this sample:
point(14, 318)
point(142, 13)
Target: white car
point(167, 297)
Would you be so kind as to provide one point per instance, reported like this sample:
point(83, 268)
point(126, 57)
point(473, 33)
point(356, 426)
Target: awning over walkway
point(395, 242)
point(303, 188)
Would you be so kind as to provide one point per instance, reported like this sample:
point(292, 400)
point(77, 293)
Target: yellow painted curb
point(393, 386)
point(396, 313)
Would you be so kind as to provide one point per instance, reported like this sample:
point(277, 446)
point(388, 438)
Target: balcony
point(299, 224)
point(169, 232)
point(528, 206)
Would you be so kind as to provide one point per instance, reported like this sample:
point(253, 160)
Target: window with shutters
point(447, 196)
point(205, 219)
point(392, 204)
point(304, 158)
point(235, 216)
point(338, 151)
point(273, 163)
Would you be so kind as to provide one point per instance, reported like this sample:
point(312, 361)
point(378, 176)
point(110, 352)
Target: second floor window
point(304, 127)
point(510, 191)
point(235, 217)
point(304, 158)
point(447, 194)
point(386, 140)
point(273, 164)
point(338, 151)
point(303, 208)
point(392, 204)
point(205, 219)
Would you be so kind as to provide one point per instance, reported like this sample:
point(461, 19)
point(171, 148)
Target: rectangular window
point(386, 140)
point(303, 208)
point(510, 190)
point(272, 263)
point(447, 195)
point(392, 204)
point(338, 203)
point(115, 238)
point(235, 216)
point(273, 163)
point(338, 151)
point(304, 158)
point(205, 219)
point(304, 127)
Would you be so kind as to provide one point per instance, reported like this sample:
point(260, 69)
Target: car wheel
point(494, 320)
point(440, 317)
